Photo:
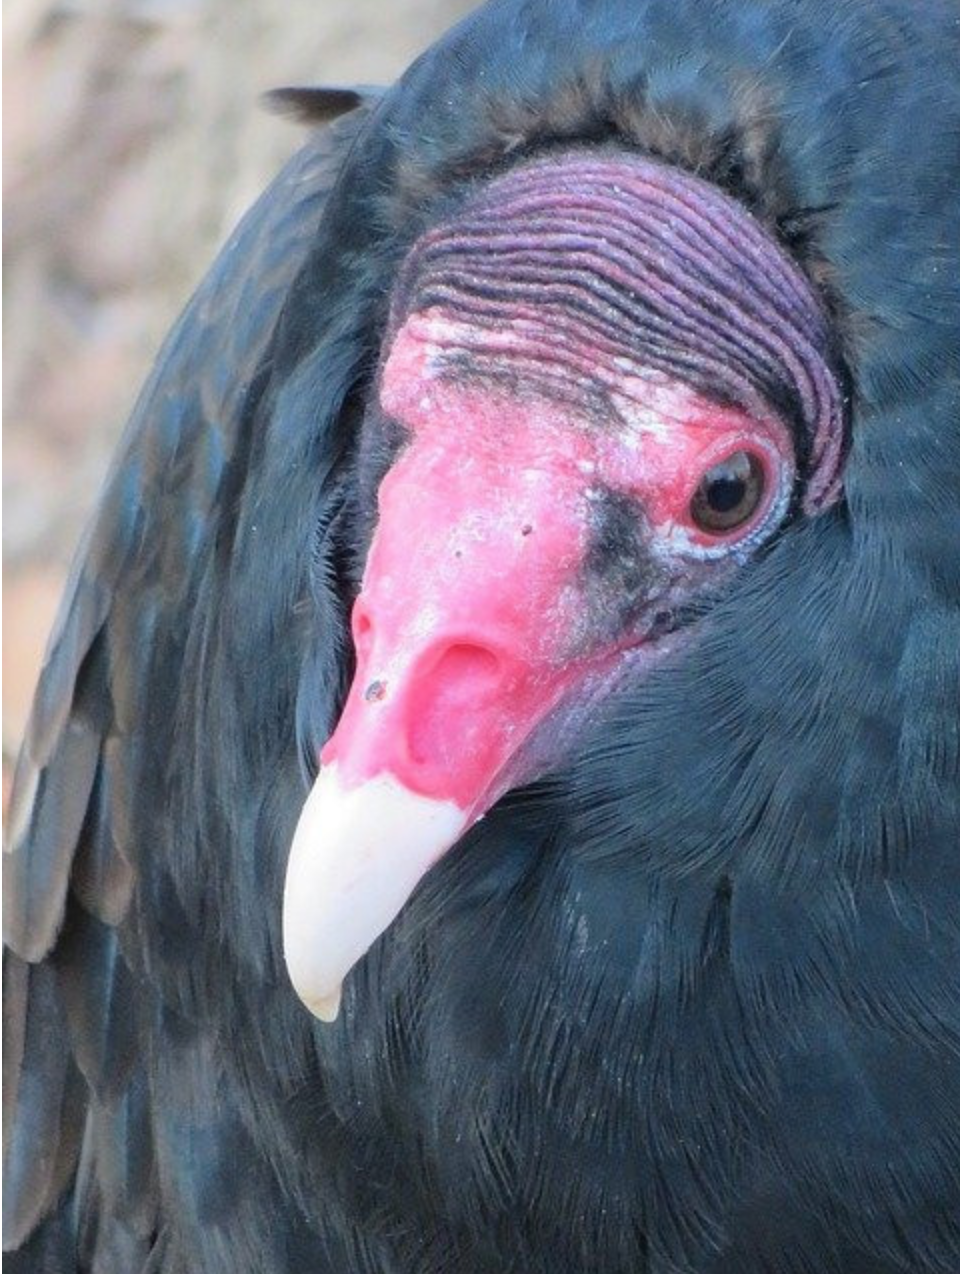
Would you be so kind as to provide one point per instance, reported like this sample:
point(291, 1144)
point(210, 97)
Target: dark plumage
point(689, 1003)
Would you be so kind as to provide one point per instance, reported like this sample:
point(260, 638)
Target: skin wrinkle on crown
point(582, 272)
point(606, 276)
point(687, 334)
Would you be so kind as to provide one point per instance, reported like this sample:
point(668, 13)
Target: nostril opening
point(463, 678)
point(470, 667)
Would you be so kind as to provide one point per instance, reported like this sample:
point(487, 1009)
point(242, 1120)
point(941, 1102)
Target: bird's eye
point(729, 493)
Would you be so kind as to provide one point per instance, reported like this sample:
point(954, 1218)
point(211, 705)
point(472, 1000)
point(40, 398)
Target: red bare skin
point(470, 625)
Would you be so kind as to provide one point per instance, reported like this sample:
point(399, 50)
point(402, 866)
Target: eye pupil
point(724, 494)
point(729, 493)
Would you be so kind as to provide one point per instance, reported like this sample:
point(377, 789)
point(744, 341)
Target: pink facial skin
point(471, 625)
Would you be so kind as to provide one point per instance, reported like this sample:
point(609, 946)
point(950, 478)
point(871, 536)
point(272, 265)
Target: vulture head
point(604, 389)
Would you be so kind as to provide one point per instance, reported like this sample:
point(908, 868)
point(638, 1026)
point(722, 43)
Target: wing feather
point(99, 999)
point(75, 1071)
point(102, 877)
point(37, 869)
point(47, 1091)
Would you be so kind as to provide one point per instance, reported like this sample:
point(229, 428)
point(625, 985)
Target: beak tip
point(325, 1008)
point(357, 855)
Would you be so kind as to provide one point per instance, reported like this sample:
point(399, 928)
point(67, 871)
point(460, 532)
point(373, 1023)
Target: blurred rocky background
point(134, 138)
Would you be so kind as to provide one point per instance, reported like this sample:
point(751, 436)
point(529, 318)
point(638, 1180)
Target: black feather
point(36, 871)
point(102, 877)
point(46, 1114)
point(320, 104)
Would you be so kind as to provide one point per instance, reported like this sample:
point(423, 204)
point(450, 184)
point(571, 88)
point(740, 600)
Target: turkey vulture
point(565, 449)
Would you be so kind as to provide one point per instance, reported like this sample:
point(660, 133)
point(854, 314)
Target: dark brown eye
point(729, 493)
